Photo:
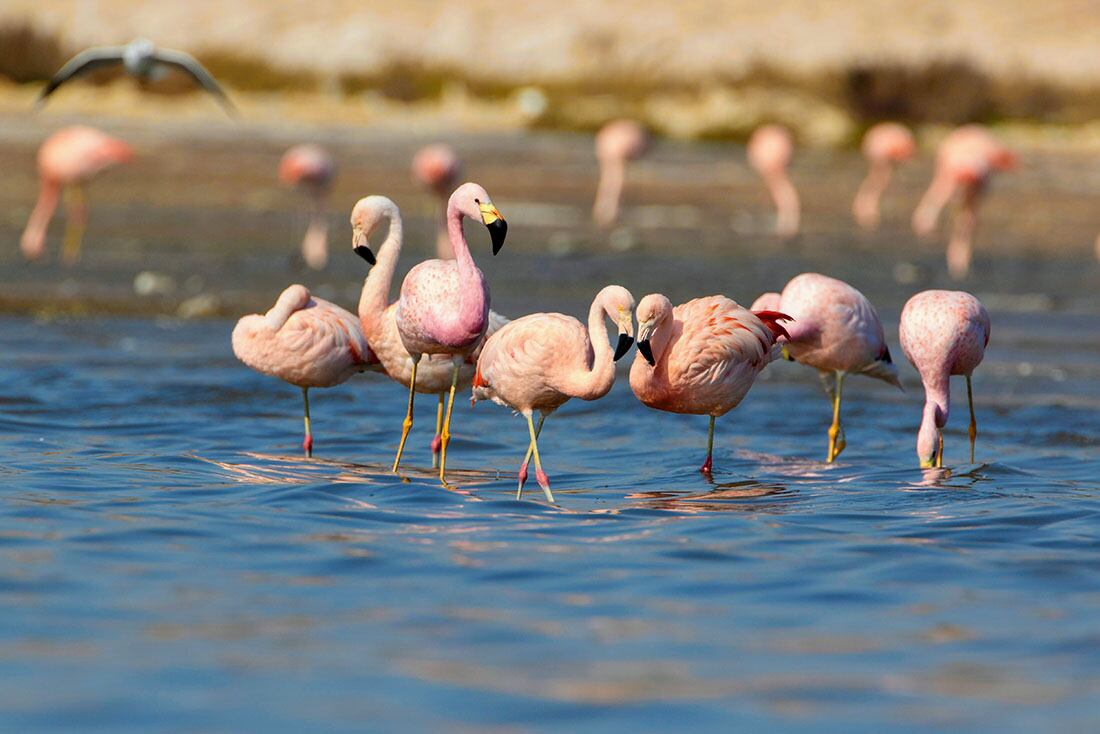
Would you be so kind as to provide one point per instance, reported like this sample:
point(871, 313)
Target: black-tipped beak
point(365, 252)
point(625, 342)
point(498, 230)
point(643, 347)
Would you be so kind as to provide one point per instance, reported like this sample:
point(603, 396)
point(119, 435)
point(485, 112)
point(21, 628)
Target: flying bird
point(142, 60)
point(836, 331)
point(540, 361)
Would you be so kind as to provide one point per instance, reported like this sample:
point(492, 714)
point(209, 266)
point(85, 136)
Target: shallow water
point(169, 561)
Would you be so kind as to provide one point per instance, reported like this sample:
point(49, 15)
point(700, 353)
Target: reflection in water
point(722, 497)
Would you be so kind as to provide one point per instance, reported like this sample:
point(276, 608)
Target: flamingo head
point(436, 167)
point(653, 312)
point(366, 215)
point(471, 200)
point(618, 304)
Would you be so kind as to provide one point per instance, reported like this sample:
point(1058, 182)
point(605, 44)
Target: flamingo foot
point(707, 467)
point(544, 482)
point(308, 446)
point(522, 479)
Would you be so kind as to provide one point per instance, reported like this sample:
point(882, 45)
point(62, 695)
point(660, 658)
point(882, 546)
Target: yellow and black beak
point(358, 243)
point(494, 222)
point(626, 341)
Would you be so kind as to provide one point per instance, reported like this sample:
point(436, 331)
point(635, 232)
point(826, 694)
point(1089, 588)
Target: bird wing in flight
point(87, 60)
point(195, 70)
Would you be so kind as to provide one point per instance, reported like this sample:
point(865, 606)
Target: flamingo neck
point(33, 242)
point(932, 203)
point(932, 422)
point(596, 380)
point(376, 289)
point(786, 201)
point(473, 304)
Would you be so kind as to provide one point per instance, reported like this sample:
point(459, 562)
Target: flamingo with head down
point(885, 145)
point(540, 361)
point(444, 304)
point(305, 341)
point(69, 159)
point(701, 357)
point(965, 163)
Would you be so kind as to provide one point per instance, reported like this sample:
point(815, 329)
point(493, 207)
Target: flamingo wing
point(189, 65)
point(88, 60)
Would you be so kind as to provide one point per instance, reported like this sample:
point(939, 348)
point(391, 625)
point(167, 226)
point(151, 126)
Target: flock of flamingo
point(700, 357)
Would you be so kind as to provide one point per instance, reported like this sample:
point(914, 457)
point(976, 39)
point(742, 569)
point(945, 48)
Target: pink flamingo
point(538, 362)
point(444, 304)
point(305, 341)
point(884, 146)
point(770, 150)
point(943, 333)
point(378, 316)
point(437, 168)
point(70, 158)
point(310, 168)
point(965, 162)
point(836, 331)
point(700, 357)
point(616, 143)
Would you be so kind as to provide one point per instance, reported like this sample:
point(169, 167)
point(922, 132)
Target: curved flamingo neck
point(473, 303)
point(662, 335)
point(33, 241)
point(376, 289)
point(932, 203)
point(869, 196)
point(597, 379)
point(289, 302)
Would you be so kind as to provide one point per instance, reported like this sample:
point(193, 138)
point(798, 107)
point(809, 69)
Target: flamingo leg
point(835, 432)
point(445, 436)
point(708, 465)
point(437, 441)
point(828, 383)
point(527, 458)
point(960, 247)
point(939, 454)
point(408, 424)
point(74, 225)
point(307, 444)
point(540, 475)
point(973, 423)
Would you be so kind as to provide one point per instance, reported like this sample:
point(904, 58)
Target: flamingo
point(540, 361)
point(943, 333)
point(142, 60)
point(616, 143)
point(965, 162)
point(836, 331)
point(69, 158)
point(305, 341)
point(700, 357)
point(437, 168)
point(884, 146)
point(311, 169)
point(770, 150)
point(378, 317)
point(444, 304)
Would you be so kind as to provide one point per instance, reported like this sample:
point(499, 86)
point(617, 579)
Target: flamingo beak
point(494, 222)
point(645, 330)
point(358, 243)
point(625, 342)
point(928, 463)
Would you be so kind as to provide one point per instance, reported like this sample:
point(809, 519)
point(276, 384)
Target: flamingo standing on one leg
point(884, 146)
point(770, 150)
point(378, 316)
point(444, 304)
point(305, 341)
point(837, 331)
point(616, 143)
point(310, 168)
point(965, 162)
point(437, 168)
point(69, 158)
point(943, 333)
point(538, 362)
point(700, 357)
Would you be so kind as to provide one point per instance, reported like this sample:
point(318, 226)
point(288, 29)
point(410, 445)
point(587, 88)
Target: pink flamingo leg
point(307, 444)
point(527, 458)
point(315, 242)
point(708, 465)
point(786, 205)
point(540, 475)
point(437, 442)
point(865, 208)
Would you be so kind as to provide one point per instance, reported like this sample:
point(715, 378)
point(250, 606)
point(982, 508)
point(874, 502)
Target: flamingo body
point(943, 333)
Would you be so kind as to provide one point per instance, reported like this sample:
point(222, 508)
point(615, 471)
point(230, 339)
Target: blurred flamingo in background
point(378, 317)
point(965, 161)
point(770, 150)
point(69, 158)
point(538, 362)
point(617, 142)
point(305, 341)
point(437, 168)
point(444, 304)
point(836, 331)
point(943, 333)
point(311, 169)
point(884, 146)
point(700, 357)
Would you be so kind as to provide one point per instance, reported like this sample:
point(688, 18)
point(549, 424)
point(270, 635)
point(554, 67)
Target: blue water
point(168, 560)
